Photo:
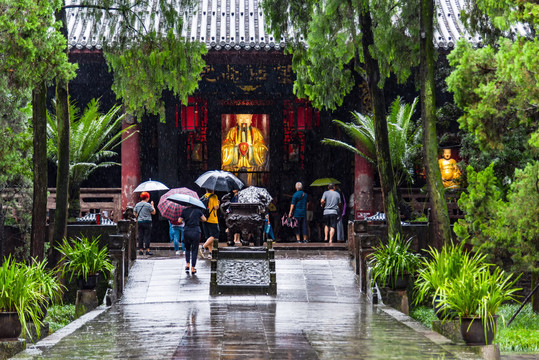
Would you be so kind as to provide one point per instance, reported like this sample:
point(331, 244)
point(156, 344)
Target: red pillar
point(363, 188)
point(130, 165)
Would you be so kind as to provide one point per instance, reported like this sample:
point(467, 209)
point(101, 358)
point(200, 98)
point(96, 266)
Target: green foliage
point(391, 260)
point(26, 289)
point(92, 138)
point(83, 257)
point(175, 64)
point(517, 220)
point(325, 67)
point(480, 204)
point(15, 156)
point(521, 336)
point(496, 87)
point(506, 230)
point(32, 46)
point(523, 333)
point(403, 138)
point(478, 293)
point(441, 267)
point(424, 314)
point(59, 316)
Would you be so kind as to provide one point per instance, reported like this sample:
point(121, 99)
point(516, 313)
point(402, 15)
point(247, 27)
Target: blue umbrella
point(187, 200)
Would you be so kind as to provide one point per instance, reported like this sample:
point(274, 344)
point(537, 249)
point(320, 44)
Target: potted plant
point(393, 263)
point(475, 297)
point(47, 284)
point(84, 259)
point(440, 267)
point(24, 292)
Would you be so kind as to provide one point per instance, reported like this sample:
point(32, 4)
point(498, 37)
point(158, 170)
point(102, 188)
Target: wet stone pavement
point(319, 313)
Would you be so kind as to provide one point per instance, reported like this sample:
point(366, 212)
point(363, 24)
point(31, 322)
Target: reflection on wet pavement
point(318, 313)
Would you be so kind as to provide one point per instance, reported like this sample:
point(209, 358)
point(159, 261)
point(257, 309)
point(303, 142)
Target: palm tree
point(402, 138)
point(93, 136)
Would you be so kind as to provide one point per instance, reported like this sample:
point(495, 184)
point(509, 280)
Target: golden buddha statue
point(244, 147)
point(449, 169)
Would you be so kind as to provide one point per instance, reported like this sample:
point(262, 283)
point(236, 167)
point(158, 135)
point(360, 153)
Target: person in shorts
point(331, 202)
point(298, 209)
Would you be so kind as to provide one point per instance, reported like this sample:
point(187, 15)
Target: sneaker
point(149, 253)
point(208, 256)
point(200, 252)
point(178, 252)
point(140, 252)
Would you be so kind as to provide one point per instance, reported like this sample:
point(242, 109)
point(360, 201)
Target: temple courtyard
point(318, 313)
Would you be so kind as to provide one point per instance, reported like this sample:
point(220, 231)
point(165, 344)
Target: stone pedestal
point(9, 348)
point(32, 336)
point(450, 329)
point(397, 299)
point(86, 301)
point(487, 352)
point(360, 245)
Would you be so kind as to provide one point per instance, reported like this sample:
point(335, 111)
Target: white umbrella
point(187, 200)
point(219, 180)
point(150, 185)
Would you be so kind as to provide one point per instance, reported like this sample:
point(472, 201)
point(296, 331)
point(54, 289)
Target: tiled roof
point(240, 25)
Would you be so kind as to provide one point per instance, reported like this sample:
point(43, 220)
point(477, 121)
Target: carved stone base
point(397, 299)
point(86, 301)
point(450, 329)
point(9, 348)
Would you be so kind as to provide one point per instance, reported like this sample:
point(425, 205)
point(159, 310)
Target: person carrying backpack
point(211, 226)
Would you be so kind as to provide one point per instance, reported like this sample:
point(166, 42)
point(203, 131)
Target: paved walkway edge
point(58, 335)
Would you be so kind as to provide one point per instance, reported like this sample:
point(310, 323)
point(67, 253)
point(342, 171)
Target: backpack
point(206, 201)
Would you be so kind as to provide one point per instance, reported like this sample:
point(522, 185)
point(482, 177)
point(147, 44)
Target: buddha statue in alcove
point(449, 169)
point(244, 148)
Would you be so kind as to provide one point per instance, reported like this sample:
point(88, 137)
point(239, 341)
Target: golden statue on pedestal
point(449, 169)
point(244, 148)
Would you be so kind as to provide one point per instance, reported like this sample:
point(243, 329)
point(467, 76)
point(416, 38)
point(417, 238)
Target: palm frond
point(344, 145)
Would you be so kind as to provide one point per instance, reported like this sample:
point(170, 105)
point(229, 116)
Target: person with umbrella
point(211, 226)
point(191, 218)
point(143, 212)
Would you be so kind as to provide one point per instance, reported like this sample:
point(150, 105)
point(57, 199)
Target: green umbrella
point(325, 181)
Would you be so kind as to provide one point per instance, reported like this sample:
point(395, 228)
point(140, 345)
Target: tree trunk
point(74, 202)
point(440, 216)
point(2, 232)
point(389, 188)
point(39, 206)
point(62, 177)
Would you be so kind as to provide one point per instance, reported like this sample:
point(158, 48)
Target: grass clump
point(423, 314)
point(59, 316)
point(523, 333)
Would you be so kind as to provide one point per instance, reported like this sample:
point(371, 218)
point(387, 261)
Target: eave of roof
point(241, 25)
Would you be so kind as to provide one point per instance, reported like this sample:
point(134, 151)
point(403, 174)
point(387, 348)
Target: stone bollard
point(10, 347)
point(397, 299)
point(86, 301)
point(360, 246)
point(117, 254)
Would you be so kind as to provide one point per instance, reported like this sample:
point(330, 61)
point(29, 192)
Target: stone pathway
point(318, 313)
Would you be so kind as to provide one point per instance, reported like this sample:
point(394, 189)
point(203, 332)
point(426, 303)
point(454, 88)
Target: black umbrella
point(219, 180)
